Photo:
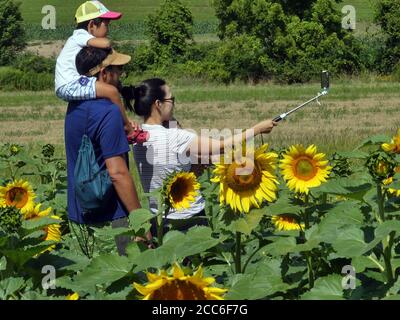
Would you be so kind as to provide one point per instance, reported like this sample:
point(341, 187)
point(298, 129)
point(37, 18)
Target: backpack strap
point(86, 133)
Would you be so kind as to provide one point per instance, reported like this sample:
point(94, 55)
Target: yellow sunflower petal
point(248, 180)
point(179, 286)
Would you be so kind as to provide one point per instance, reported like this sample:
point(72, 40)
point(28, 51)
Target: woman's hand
point(264, 126)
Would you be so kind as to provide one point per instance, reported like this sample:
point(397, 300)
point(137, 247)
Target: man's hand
point(148, 241)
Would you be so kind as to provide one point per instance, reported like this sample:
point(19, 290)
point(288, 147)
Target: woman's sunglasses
point(172, 99)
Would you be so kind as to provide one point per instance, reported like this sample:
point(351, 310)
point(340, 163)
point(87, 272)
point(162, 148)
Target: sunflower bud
point(340, 166)
point(14, 149)
point(10, 218)
point(20, 164)
point(61, 165)
point(48, 150)
point(380, 165)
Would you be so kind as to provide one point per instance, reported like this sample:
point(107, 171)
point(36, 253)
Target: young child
point(92, 20)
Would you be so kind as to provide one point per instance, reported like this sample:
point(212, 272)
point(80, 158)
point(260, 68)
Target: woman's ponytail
point(143, 95)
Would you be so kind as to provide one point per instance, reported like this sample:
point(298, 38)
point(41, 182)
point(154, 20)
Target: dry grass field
point(351, 112)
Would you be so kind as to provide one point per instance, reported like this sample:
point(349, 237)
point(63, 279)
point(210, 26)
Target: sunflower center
point(243, 176)
point(397, 145)
point(305, 168)
point(382, 168)
point(287, 219)
point(180, 189)
point(179, 290)
point(17, 197)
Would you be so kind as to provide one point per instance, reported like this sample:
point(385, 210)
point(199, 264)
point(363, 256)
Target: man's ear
point(103, 74)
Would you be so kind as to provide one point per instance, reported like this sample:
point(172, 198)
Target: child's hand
point(135, 125)
point(129, 129)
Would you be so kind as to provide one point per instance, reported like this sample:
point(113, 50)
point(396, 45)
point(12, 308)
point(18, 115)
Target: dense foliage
point(12, 35)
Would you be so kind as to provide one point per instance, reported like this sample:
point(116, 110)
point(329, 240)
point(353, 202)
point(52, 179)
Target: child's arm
point(104, 90)
point(102, 43)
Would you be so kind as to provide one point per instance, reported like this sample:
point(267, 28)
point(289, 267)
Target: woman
point(167, 147)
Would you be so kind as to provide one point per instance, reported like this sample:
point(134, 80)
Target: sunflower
point(258, 183)
point(182, 189)
point(179, 286)
point(389, 180)
point(72, 296)
point(52, 231)
point(286, 223)
point(304, 168)
point(394, 145)
point(18, 194)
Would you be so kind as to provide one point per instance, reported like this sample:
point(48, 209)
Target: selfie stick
point(325, 89)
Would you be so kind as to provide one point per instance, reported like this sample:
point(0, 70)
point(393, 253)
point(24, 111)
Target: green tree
point(387, 16)
point(300, 37)
point(170, 30)
point(12, 36)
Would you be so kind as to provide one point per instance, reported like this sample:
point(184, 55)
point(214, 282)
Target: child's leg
point(105, 90)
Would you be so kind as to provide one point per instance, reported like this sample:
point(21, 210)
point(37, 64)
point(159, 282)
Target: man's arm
point(102, 43)
point(123, 182)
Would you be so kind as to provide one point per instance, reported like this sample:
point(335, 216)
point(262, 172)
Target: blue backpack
point(93, 186)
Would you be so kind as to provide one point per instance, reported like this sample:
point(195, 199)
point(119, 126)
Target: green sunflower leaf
point(265, 282)
point(326, 288)
point(280, 246)
point(350, 242)
point(248, 223)
point(377, 139)
point(351, 187)
point(104, 269)
point(176, 246)
point(10, 286)
point(140, 218)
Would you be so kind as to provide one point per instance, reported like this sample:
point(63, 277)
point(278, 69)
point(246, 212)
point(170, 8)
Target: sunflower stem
point(310, 270)
point(324, 198)
point(308, 254)
point(163, 209)
point(387, 256)
point(238, 263)
point(381, 200)
point(12, 173)
point(306, 214)
point(160, 227)
point(249, 259)
point(388, 242)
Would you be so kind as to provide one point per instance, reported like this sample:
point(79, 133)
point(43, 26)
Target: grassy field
point(133, 10)
point(353, 111)
point(131, 27)
point(364, 9)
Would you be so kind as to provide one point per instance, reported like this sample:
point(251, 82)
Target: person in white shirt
point(165, 149)
point(93, 20)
